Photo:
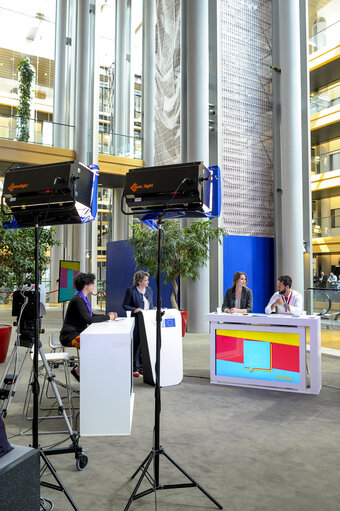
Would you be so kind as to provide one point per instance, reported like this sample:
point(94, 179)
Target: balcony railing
point(44, 133)
point(326, 226)
point(325, 99)
point(121, 145)
point(52, 134)
point(328, 36)
point(325, 162)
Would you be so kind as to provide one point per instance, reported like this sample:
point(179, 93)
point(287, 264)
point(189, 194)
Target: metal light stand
point(157, 449)
point(35, 386)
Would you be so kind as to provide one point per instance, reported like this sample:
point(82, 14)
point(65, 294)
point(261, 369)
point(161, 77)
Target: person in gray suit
point(238, 298)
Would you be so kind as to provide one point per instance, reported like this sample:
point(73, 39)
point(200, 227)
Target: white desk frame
point(272, 322)
point(106, 383)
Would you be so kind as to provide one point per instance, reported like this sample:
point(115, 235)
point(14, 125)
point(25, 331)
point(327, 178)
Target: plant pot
point(5, 337)
point(184, 315)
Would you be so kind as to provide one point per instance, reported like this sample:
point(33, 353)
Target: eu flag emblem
point(169, 322)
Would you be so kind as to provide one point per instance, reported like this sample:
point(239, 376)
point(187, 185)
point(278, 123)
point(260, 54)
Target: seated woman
point(79, 314)
point(138, 297)
point(238, 298)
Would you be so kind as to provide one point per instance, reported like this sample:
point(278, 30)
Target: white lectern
point(106, 390)
point(171, 362)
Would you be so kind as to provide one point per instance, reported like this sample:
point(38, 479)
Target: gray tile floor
point(252, 450)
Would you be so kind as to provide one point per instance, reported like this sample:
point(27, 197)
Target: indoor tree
point(185, 250)
point(17, 254)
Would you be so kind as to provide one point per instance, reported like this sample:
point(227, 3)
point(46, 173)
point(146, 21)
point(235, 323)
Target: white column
point(59, 120)
point(291, 143)
point(198, 295)
point(82, 105)
point(59, 89)
point(148, 81)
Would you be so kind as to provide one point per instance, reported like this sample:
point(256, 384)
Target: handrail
point(322, 291)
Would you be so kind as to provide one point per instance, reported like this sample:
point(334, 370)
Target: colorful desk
point(265, 351)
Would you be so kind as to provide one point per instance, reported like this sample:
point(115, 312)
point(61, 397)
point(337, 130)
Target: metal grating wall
point(246, 111)
point(168, 83)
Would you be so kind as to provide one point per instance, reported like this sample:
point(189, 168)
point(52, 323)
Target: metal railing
point(325, 99)
point(40, 132)
point(326, 226)
point(120, 145)
point(325, 302)
point(51, 134)
point(325, 162)
point(328, 36)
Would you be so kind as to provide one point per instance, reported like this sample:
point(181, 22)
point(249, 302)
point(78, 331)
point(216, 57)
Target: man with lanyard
point(285, 299)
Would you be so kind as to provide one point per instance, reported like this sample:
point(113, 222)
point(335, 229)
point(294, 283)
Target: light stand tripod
point(157, 450)
point(35, 388)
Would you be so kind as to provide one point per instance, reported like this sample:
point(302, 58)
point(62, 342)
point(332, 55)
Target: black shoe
point(74, 373)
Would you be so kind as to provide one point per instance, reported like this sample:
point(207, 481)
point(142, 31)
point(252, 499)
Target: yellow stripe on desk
point(275, 337)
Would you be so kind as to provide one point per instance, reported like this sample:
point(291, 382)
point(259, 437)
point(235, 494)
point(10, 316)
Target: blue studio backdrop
point(255, 256)
point(119, 276)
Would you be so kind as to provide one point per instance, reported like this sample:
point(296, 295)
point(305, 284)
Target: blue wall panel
point(119, 275)
point(254, 256)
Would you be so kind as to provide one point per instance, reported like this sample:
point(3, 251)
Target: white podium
point(171, 363)
point(106, 389)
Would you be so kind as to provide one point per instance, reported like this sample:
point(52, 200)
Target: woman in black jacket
point(238, 298)
point(79, 314)
point(138, 297)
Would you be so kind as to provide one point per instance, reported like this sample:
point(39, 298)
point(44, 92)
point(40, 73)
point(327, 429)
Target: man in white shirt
point(285, 299)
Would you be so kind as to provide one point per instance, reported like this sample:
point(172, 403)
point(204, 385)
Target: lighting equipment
point(156, 192)
point(57, 193)
point(177, 188)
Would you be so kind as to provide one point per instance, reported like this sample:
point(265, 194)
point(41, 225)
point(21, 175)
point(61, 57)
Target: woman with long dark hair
point(238, 298)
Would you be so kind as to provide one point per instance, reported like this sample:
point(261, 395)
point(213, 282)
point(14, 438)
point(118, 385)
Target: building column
point(291, 144)
point(197, 74)
point(59, 89)
point(148, 82)
point(83, 144)
point(59, 121)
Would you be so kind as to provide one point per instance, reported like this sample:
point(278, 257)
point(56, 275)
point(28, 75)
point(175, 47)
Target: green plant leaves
point(184, 250)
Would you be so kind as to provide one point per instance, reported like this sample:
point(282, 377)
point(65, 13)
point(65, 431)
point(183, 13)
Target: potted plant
point(184, 250)
point(26, 75)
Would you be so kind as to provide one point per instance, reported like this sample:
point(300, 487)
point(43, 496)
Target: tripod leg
point(148, 461)
point(141, 466)
point(195, 483)
point(60, 486)
point(16, 378)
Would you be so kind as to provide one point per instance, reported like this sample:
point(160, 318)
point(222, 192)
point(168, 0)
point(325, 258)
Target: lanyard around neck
point(287, 300)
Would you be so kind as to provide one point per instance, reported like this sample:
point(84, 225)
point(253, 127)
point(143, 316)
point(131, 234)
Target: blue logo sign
point(169, 322)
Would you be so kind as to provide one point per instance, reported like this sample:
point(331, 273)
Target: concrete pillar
point(291, 143)
point(198, 295)
point(148, 81)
